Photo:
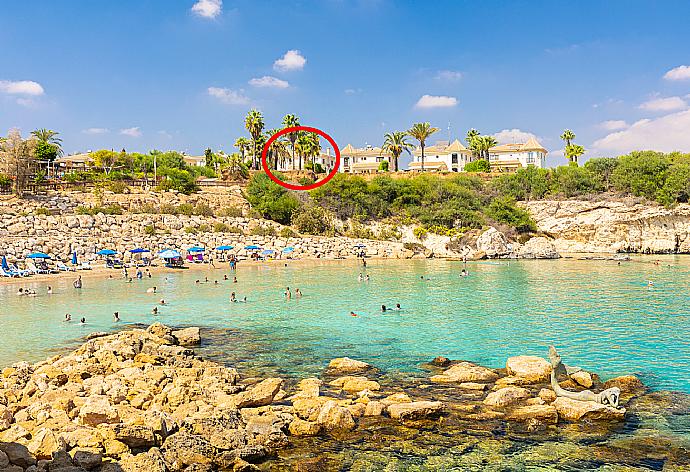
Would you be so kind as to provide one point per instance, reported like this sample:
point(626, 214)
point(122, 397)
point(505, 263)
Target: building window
point(379, 159)
point(454, 159)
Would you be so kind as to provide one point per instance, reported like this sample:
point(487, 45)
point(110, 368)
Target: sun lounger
point(61, 266)
point(21, 272)
point(35, 270)
point(85, 266)
point(6, 273)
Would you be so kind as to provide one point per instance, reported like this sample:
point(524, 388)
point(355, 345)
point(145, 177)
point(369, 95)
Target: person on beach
point(364, 262)
point(288, 293)
point(129, 280)
point(148, 273)
point(50, 290)
point(116, 316)
point(383, 308)
point(298, 293)
point(82, 320)
point(77, 283)
point(124, 272)
point(140, 274)
point(151, 290)
point(68, 317)
point(233, 298)
point(154, 311)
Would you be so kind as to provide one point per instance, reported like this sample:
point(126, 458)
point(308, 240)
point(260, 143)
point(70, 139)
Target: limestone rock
point(466, 372)
point(582, 378)
point(493, 243)
point(355, 384)
point(345, 365)
point(188, 336)
point(544, 413)
point(628, 384)
point(97, 410)
point(415, 410)
point(299, 427)
point(87, 459)
point(547, 395)
point(44, 443)
point(575, 410)
point(506, 396)
point(335, 418)
point(538, 248)
point(531, 369)
point(18, 454)
point(400, 397)
point(480, 387)
point(374, 408)
point(260, 394)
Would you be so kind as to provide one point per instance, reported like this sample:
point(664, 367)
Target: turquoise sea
point(602, 316)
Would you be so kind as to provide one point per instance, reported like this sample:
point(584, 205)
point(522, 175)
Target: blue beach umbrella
point(289, 249)
point(138, 250)
point(5, 265)
point(106, 252)
point(223, 248)
point(74, 258)
point(38, 255)
point(196, 249)
point(268, 251)
point(252, 247)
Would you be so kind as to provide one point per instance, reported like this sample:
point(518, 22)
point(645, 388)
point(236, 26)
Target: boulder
point(335, 418)
point(479, 387)
point(547, 395)
point(531, 369)
point(44, 443)
point(345, 365)
point(493, 243)
point(97, 410)
point(150, 461)
point(260, 394)
point(538, 248)
point(506, 396)
point(466, 372)
point(355, 384)
point(188, 336)
point(575, 410)
point(134, 436)
point(440, 361)
point(374, 409)
point(400, 397)
point(582, 378)
point(628, 384)
point(543, 413)
point(17, 454)
point(415, 410)
point(299, 427)
point(309, 408)
point(86, 459)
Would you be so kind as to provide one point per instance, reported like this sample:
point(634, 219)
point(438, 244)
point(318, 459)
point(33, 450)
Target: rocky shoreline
point(142, 400)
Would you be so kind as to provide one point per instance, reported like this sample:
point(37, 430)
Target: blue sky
point(178, 74)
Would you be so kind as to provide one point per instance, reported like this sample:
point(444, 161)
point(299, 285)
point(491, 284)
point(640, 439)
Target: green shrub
point(677, 185)
point(168, 209)
point(185, 209)
point(118, 187)
point(112, 209)
point(149, 230)
point(204, 228)
point(202, 209)
point(420, 232)
point(5, 180)
point(359, 231)
point(220, 228)
point(270, 199)
point(383, 166)
point(235, 230)
point(480, 165)
point(287, 232)
point(504, 210)
point(231, 211)
point(313, 219)
point(259, 230)
point(191, 229)
point(531, 183)
point(572, 181)
point(42, 211)
point(416, 247)
point(641, 173)
point(148, 208)
point(390, 233)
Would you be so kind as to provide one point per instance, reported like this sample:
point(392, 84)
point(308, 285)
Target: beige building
point(441, 157)
point(362, 160)
point(510, 157)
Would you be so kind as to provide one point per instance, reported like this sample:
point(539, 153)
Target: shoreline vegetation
point(140, 399)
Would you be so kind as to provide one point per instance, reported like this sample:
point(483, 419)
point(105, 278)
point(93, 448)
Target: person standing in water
point(288, 294)
point(116, 316)
point(77, 283)
point(298, 293)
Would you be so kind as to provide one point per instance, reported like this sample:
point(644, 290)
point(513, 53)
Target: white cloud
point(667, 133)
point(292, 60)
point(21, 87)
point(664, 104)
point(678, 73)
point(449, 75)
point(436, 101)
point(229, 96)
point(269, 82)
point(511, 136)
point(164, 134)
point(208, 8)
point(133, 132)
point(95, 130)
point(613, 125)
point(352, 91)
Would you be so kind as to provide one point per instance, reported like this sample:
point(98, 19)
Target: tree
point(420, 132)
point(105, 159)
point(243, 145)
point(48, 136)
point(46, 151)
point(396, 143)
point(472, 134)
point(485, 144)
point(573, 151)
point(480, 165)
point(567, 136)
point(302, 147)
point(290, 121)
point(278, 150)
point(254, 122)
point(17, 159)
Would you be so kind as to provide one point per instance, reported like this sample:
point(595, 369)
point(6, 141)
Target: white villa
point(445, 157)
point(325, 159)
point(362, 160)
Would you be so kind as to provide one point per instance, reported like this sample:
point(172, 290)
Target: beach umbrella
point(138, 250)
point(223, 248)
point(106, 252)
point(289, 249)
point(38, 255)
point(169, 254)
point(74, 258)
point(5, 265)
point(252, 247)
point(268, 251)
point(196, 249)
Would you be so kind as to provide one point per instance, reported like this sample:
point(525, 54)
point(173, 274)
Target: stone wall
point(613, 226)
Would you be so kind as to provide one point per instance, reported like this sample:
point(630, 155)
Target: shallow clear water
point(601, 316)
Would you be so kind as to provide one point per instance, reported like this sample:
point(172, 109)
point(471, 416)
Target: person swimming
point(225, 277)
point(50, 290)
point(464, 273)
point(77, 283)
point(162, 302)
point(154, 311)
point(206, 280)
point(397, 307)
point(82, 320)
point(68, 317)
point(233, 298)
point(20, 292)
point(298, 293)
point(215, 282)
point(197, 281)
point(361, 277)
point(352, 313)
point(650, 284)
point(366, 279)
point(288, 293)
point(234, 280)
point(151, 290)
point(383, 307)
point(116, 316)
point(244, 300)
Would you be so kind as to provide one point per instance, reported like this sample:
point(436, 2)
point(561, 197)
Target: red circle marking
point(292, 129)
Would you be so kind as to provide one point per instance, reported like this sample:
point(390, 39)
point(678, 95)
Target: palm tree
point(49, 136)
point(396, 143)
point(278, 149)
point(486, 143)
point(471, 139)
point(420, 132)
point(302, 147)
point(243, 145)
point(290, 121)
point(573, 151)
point(254, 122)
point(568, 136)
point(314, 149)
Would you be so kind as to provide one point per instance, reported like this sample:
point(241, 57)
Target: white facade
point(326, 160)
point(441, 157)
point(362, 160)
point(513, 156)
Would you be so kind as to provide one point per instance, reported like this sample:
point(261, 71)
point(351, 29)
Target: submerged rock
point(345, 365)
point(506, 396)
point(465, 372)
point(575, 410)
point(335, 418)
point(415, 410)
